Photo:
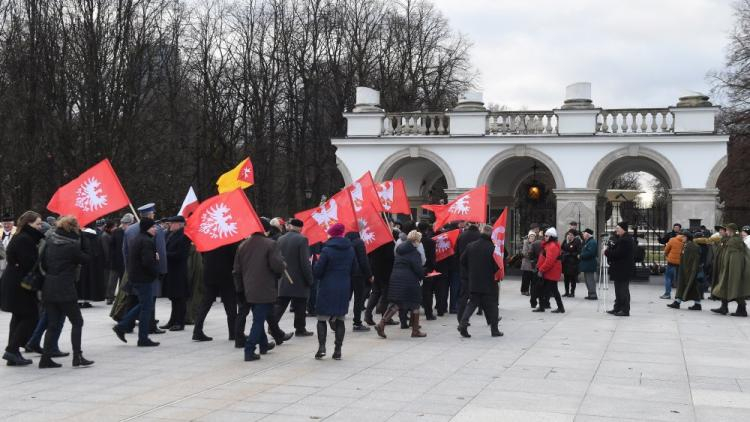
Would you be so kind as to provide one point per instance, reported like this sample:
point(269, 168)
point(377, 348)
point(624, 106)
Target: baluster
point(605, 126)
point(537, 124)
point(615, 124)
point(653, 122)
point(433, 125)
point(399, 129)
point(501, 123)
point(491, 124)
point(663, 125)
point(439, 125)
point(422, 120)
point(548, 129)
point(634, 123)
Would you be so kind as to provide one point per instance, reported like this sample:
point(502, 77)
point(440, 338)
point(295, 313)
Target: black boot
point(201, 336)
point(322, 331)
point(674, 305)
point(47, 362)
point(723, 309)
point(79, 360)
point(495, 332)
point(741, 310)
point(368, 318)
point(340, 331)
point(16, 359)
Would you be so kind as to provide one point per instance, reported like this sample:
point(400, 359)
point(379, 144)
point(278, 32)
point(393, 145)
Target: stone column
point(694, 204)
point(469, 117)
point(367, 117)
point(577, 116)
point(575, 205)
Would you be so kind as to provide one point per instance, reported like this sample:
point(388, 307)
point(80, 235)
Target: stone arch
point(521, 151)
point(390, 164)
point(713, 176)
point(345, 173)
point(663, 168)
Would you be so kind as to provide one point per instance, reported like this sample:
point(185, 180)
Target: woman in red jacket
point(550, 269)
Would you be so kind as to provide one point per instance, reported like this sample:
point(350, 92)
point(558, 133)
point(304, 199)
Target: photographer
point(619, 252)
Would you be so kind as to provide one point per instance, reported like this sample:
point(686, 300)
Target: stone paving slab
point(658, 365)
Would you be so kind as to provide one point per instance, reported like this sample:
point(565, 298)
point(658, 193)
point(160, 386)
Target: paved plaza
point(659, 364)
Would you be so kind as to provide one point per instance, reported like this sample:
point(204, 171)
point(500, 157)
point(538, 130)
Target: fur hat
point(146, 223)
point(623, 225)
point(336, 230)
point(296, 222)
point(551, 232)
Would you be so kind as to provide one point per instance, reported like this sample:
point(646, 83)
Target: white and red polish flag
point(393, 198)
point(189, 204)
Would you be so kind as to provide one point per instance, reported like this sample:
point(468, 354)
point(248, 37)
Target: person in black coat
point(361, 280)
point(116, 259)
point(92, 282)
point(21, 256)
point(218, 281)
point(60, 260)
point(176, 285)
point(404, 292)
point(143, 269)
point(469, 235)
point(620, 255)
point(570, 252)
point(478, 262)
point(428, 284)
point(381, 262)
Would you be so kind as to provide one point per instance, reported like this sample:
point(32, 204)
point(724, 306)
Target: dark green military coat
point(688, 271)
point(734, 268)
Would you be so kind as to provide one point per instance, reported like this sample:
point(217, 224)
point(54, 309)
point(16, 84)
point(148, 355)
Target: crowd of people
point(54, 268)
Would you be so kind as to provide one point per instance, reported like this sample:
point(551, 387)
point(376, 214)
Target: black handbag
point(34, 280)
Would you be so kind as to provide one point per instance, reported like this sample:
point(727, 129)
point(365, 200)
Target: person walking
point(550, 270)
point(334, 269)
point(117, 262)
point(61, 259)
point(528, 263)
point(294, 289)
point(689, 268)
point(733, 282)
point(257, 267)
point(21, 255)
point(571, 251)
point(673, 252)
point(469, 235)
point(361, 280)
point(218, 281)
point(620, 255)
point(404, 292)
point(176, 286)
point(381, 263)
point(479, 263)
point(428, 282)
point(143, 269)
point(588, 265)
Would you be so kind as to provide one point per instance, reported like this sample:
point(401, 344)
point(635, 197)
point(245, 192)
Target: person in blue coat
point(587, 266)
point(334, 269)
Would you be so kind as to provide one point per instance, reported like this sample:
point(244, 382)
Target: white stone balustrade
point(522, 123)
point(635, 121)
point(416, 123)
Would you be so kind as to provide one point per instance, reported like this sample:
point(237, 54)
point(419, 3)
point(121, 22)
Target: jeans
point(143, 311)
point(56, 315)
point(257, 336)
point(41, 327)
point(670, 278)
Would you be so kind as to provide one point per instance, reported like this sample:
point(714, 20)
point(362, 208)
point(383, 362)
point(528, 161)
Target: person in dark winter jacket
point(448, 269)
point(361, 280)
point(428, 283)
point(620, 255)
point(92, 281)
point(117, 263)
point(588, 264)
point(550, 269)
point(478, 262)
point(404, 291)
point(176, 286)
point(219, 282)
point(469, 235)
point(21, 256)
point(334, 269)
point(381, 263)
point(143, 268)
point(294, 289)
point(61, 261)
point(570, 251)
point(256, 270)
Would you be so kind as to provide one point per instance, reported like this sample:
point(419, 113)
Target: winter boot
point(723, 309)
point(340, 331)
point(741, 310)
point(696, 307)
point(47, 362)
point(322, 331)
point(368, 318)
point(495, 332)
point(380, 327)
point(674, 305)
point(79, 360)
point(415, 325)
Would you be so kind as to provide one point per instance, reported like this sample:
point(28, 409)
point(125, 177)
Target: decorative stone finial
point(694, 99)
point(470, 101)
point(578, 96)
point(368, 100)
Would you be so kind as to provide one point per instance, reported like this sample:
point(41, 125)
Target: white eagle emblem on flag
point(326, 217)
point(89, 196)
point(385, 193)
point(357, 196)
point(364, 231)
point(216, 222)
point(443, 244)
point(461, 206)
point(499, 243)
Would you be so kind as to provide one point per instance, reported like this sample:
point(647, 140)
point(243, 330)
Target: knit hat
point(551, 232)
point(623, 225)
point(336, 230)
point(146, 223)
point(128, 218)
point(296, 222)
point(589, 231)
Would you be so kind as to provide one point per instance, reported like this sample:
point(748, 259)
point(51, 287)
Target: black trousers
point(622, 295)
point(538, 292)
point(179, 310)
point(21, 327)
point(570, 283)
point(463, 299)
point(488, 302)
point(378, 297)
point(526, 278)
point(442, 290)
point(360, 289)
point(228, 299)
point(552, 291)
point(56, 313)
point(279, 308)
point(428, 292)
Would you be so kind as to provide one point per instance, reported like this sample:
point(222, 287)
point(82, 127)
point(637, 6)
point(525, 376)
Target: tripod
point(602, 287)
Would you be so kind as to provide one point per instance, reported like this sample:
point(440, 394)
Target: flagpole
point(135, 214)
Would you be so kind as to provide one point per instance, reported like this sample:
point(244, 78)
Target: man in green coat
point(688, 273)
point(733, 283)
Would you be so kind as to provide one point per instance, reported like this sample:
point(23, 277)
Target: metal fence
point(647, 226)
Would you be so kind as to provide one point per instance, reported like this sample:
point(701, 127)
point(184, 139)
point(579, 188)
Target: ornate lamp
point(535, 190)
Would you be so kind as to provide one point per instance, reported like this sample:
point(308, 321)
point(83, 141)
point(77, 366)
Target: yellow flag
point(239, 177)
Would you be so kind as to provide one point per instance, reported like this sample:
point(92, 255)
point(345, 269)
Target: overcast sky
point(636, 53)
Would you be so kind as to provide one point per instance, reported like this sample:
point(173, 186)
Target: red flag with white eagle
point(363, 192)
point(222, 219)
point(189, 204)
point(338, 209)
point(445, 244)
point(469, 206)
point(93, 194)
point(498, 238)
point(393, 198)
point(373, 230)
